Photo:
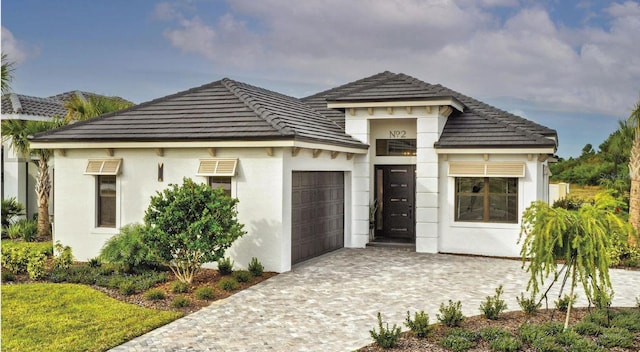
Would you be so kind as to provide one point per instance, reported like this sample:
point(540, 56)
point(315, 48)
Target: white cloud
point(16, 50)
point(460, 44)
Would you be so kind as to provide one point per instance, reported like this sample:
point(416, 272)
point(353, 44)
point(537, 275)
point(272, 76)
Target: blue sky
point(571, 65)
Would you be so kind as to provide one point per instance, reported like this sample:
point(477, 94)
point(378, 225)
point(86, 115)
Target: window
point(395, 147)
point(486, 199)
point(224, 182)
point(106, 185)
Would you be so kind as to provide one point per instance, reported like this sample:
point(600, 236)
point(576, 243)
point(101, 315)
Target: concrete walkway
point(330, 303)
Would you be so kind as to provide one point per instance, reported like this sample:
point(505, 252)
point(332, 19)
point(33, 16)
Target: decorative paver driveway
point(330, 303)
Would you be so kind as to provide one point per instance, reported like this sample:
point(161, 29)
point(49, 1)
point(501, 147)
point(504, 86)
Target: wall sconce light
point(160, 172)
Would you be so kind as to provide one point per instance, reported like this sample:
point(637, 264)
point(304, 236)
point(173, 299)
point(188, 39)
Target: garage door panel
point(317, 214)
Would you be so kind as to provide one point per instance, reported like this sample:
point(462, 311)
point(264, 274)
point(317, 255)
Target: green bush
point(493, 305)
point(63, 258)
point(15, 259)
point(242, 276)
point(385, 337)
point(451, 315)
point(459, 339)
point(228, 284)
point(587, 328)
point(8, 276)
point(36, 266)
point(492, 333)
point(24, 229)
point(628, 320)
point(255, 267)
point(602, 298)
point(45, 248)
point(191, 224)
point(154, 294)
point(127, 287)
point(179, 287)
point(568, 337)
point(14, 231)
point(584, 345)
point(528, 305)
point(602, 317)
point(180, 302)
point(225, 266)
point(419, 325)
point(94, 262)
point(616, 337)
point(547, 344)
point(204, 293)
point(505, 344)
point(11, 209)
point(127, 250)
point(563, 303)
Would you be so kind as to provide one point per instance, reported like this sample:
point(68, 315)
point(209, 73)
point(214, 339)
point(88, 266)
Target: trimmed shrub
point(228, 284)
point(225, 266)
point(36, 266)
point(616, 337)
point(255, 267)
point(204, 293)
point(15, 259)
point(451, 315)
point(63, 258)
point(180, 302)
point(385, 337)
point(528, 305)
point(493, 306)
point(242, 276)
point(127, 250)
point(179, 287)
point(154, 294)
point(420, 324)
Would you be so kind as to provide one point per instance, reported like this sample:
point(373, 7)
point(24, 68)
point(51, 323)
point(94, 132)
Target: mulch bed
point(510, 321)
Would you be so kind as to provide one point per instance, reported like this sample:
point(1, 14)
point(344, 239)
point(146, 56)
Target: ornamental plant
point(189, 225)
point(581, 238)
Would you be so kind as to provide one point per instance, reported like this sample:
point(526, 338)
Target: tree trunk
point(634, 196)
point(43, 189)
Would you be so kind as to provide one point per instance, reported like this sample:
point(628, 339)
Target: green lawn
point(66, 317)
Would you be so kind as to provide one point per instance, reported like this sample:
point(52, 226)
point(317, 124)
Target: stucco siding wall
point(258, 185)
point(492, 239)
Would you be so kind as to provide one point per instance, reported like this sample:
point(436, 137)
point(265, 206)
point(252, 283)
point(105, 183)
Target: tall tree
point(16, 132)
point(634, 172)
point(7, 73)
point(79, 108)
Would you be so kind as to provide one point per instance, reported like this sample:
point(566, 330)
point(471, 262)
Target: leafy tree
point(587, 150)
point(190, 225)
point(79, 109)
point(7, 73)
point(581, 238)
point(17, 133)
point(634, 171)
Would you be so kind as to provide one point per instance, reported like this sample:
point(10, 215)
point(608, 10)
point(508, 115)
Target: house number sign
point(398, 134)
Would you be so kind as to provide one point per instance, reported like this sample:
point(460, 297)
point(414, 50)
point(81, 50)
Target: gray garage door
point(317, 224)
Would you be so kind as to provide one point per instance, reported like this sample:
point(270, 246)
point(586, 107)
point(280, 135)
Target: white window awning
point(217, 167)
point(103, 167)
point(473, 169)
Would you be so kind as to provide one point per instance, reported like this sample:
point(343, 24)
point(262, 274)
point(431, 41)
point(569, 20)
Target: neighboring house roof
point(27, 107)
point(18, 104)
point(222, 110)
point(479, 125)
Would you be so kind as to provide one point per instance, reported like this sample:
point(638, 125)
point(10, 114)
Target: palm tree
point(79, 108)
point(17, 133)
point(634, 173)
point(7, 73)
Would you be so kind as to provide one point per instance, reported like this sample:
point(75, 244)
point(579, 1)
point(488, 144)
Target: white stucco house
point(433, 169)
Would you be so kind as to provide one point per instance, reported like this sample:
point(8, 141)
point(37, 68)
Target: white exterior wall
point(258, 185)
point(491, 239)
point(358, 127)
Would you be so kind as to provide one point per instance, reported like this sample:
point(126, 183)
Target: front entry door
point(395, 188)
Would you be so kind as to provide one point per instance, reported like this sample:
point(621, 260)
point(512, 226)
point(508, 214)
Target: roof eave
point(372, 103)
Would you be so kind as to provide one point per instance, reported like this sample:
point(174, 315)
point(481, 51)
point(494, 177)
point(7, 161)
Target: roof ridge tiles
point(252, 103)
